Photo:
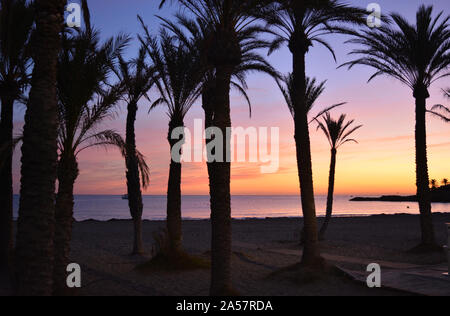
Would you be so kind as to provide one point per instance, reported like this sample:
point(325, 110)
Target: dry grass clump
point(166, 259)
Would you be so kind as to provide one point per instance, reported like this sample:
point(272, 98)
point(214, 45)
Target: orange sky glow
point(382, 162)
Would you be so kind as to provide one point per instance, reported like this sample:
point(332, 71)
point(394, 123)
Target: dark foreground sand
point(260, 248)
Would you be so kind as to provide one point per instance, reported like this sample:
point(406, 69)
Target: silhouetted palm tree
point(197, 35)
point(83, 70)
point(232, 35)
point(300, 24)
point(313, 92)
point(416, 55)
point(178, 80)
point(34, 252)
point(16, 23)
point(338, 132)
point(136, 78)
point(433, 183)
point(445, 182)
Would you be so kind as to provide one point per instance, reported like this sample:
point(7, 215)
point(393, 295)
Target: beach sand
point(260, 247)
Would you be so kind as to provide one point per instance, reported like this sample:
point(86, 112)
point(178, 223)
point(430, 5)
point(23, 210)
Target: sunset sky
point(382, 162)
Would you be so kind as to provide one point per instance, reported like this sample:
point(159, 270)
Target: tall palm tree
point(195, 38)
point(178, 81)
point(313, 92)
point(136, 78)
point(337, 132)
point(416, 55)
point(85, 100)
point(232, 35)
point(300, 24)
point(35, 233)
point(16, 24)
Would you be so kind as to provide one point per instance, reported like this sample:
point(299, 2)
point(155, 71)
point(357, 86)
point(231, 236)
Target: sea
point(107, 207)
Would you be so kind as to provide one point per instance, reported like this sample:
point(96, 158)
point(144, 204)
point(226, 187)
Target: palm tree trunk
point(219, 178)
point(36, 225)
point(174, 225)
point(6, 191)
point(423, 189)
point(311, 254)
point(207, 104)
point(67, 175)
point(133, 180)
point(330, 195)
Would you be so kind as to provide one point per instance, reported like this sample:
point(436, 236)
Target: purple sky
point(383, 162)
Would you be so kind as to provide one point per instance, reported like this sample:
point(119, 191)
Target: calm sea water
point(103, 208)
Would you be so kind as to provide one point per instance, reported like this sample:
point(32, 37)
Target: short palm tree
point(178, 81)
point(85, 100)
point(300, 24)
point(136, 78)
point(337, 132)
point(34, 251)
point(445, 182)
point(433, 183)
point(416, 55)
point(232, 34)
point(16, 24)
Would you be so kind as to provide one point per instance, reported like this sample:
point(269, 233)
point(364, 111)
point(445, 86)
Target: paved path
point(411, 278)
point(416, 279)
point(426, 280)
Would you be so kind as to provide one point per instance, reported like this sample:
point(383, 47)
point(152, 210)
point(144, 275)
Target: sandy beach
point(260, 248)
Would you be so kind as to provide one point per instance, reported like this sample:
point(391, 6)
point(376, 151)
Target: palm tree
point(313, 92)
point(136, 78)
point(178, 81)
point(16, 22)
point(338, 133)
point(83, 70)
point(197, 35)
point(433, 183)
point(445, 182)
point(35, 233)
point(416, 55)
point(441, 111)
point(301, 24)
point(232, 34)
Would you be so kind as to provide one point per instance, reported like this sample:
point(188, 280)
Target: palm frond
point(416, 55)
point(178, 72)
point(338, 131)
point(313, 91)
point(204, 29)
point(445, 118)
point(86, 97)
point(110, 138)
point(315, 20)
point(16, 30)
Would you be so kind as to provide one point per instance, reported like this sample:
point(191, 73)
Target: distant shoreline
point(256, 219)
point(438, 195)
